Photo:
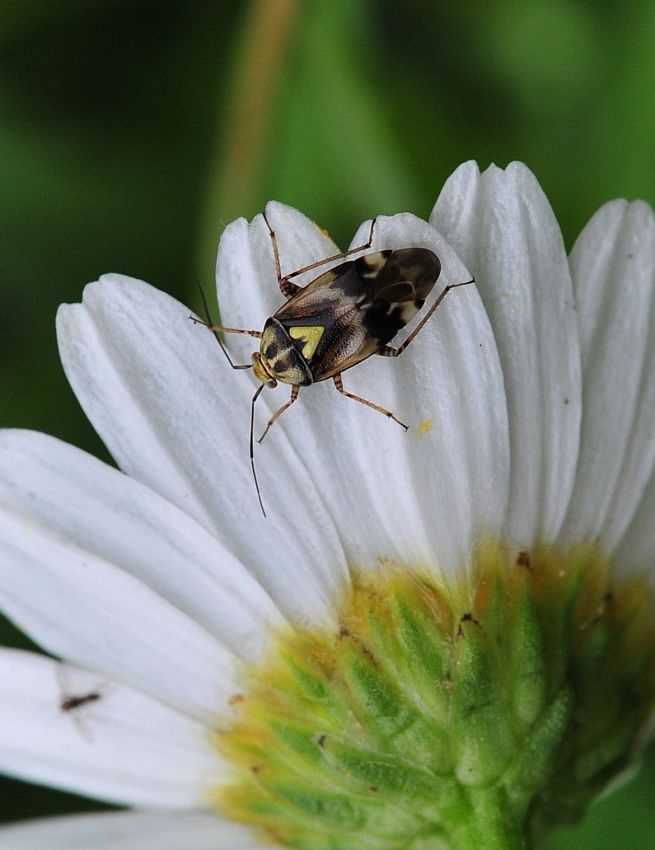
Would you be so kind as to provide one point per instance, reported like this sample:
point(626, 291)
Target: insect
point(336, 321)
point(71, 703)
point(73, 700)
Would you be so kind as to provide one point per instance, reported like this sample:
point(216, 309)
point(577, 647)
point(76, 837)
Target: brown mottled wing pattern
point(361, 305)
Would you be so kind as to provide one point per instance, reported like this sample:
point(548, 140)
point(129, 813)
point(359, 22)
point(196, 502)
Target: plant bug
point(336, 321)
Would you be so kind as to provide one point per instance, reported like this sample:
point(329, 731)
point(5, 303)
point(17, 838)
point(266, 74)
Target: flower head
point(437, 639)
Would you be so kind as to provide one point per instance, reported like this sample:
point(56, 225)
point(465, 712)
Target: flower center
point(461, 715)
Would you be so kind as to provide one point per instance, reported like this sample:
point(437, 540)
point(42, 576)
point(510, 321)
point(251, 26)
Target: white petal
point(88, 611)
point(396, 495)
point(123, 747)
point(613, 267)
point(129, 831)
point(98, 509)
point(502, 226)
point(448, 387)
point(636, 551)
point(161, 395)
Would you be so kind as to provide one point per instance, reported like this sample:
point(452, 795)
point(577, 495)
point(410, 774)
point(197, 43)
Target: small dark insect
point(338, 320)
point(71, 703)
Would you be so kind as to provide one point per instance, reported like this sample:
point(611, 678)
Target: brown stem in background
point(246, 124)
point(262, 58)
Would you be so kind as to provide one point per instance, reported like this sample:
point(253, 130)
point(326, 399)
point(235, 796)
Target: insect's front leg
point(222, 329)
point(219, 329)
point(338, 383)
point(290, 289)
point(295, 389)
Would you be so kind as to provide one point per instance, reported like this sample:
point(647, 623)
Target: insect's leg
point(223, 330)
point(295, 389)
point(216, 329)
point(391, 351)
point(338, 383)
point(340, 256)
point(290, 289)
point(219, 329)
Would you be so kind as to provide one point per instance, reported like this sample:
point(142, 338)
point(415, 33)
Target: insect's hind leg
point(290, 289)
point(338, 383)
point(392, 351)
point(295, 389)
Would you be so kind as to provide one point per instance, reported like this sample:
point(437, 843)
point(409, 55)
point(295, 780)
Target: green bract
point(469, 718)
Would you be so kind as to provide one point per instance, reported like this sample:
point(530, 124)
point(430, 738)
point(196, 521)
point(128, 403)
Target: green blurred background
point(132, 131)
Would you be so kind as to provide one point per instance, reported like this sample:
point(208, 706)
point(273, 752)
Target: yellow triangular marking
point(310, 336)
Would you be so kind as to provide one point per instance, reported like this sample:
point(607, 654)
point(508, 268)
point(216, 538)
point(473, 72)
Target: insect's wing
point(402, 280)
point(351, 311)
point(335, 292)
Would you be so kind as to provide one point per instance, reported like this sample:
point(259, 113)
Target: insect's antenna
point(209, 322)
point(205, 303)
point(252, 450)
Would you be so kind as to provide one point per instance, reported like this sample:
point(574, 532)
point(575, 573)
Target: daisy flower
point(440, 639)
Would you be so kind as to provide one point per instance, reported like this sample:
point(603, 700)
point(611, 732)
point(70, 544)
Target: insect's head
point(261, 371)
point(279, 359)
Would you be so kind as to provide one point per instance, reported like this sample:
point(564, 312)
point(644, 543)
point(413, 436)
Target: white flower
point(530, 401)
